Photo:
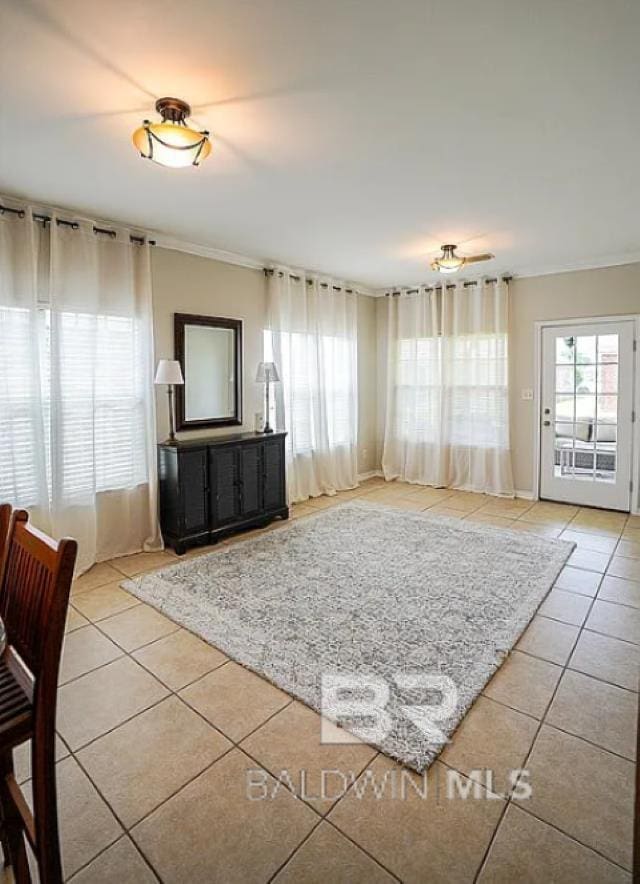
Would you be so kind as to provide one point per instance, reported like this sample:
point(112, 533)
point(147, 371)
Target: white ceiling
point(350, 136)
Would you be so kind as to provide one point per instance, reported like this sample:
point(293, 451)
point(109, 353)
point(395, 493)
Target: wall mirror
point(209, 350)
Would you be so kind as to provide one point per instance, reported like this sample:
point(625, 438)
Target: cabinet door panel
point(193, 482)
point(274, 475)
point(225, 498)
point(251, 479)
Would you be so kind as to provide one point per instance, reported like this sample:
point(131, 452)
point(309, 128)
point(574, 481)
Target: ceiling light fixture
point(172, 143)
point(449, 262)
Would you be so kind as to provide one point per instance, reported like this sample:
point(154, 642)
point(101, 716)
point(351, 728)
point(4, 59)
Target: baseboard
point(527, 495)
point(372, 474)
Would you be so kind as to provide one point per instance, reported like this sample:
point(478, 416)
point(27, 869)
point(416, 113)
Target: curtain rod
point(269, 271)
point(74, 225)
point(433, 288)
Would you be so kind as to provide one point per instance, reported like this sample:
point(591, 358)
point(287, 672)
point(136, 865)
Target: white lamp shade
point(267, 372)
point(169, 372)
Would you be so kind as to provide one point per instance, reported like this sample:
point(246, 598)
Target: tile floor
point(159, 733)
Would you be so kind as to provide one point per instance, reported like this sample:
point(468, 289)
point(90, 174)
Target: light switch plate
point(527, 394)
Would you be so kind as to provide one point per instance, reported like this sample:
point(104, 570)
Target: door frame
point(541, 324)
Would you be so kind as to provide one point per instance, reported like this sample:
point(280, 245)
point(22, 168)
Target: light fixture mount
point(173, 110)
point(449, 261)
point(172, 142)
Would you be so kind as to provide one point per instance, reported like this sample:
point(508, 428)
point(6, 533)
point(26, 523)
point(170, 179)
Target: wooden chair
point(5, 518)
point(34, 594)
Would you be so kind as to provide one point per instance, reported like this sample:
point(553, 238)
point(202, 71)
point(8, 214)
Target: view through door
point(586, 414)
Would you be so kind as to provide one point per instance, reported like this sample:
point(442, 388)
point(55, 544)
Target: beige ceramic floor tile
point(490, 519)
point(22, 758)
point(234, 700)
point(406, 503)
point(291, 741)
point(622, 567)
point(589, 559)
point(624, 592)
point(104, 601)
point(618, 621)
point(609, 659)
point(601, 527)
point(577, 580)
point(179, 658)
point(601, 713)
point(74, 620)
point(583, 791)
point(103, 699)
point(510, 509)
point(548, 639)
point(301, 511)
point(524, 683)
point(444, 510)
point(537, 528)
point(84, 650)
point(322, 502)
point(628, 549)
point(440, 838)
point(429, 496)
point(96, 576)
point(526, 849)
point(569, 607)
point(232, 824)
point(139, 563)
point(327, 856)
point(86, 824)
point(144, 761)
point(137, 626)
point(120, 863)
point(491, 737)
point(590, 541)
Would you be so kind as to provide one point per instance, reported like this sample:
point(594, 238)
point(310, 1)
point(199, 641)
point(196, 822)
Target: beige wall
point(367, 384)
point(184, 283)
point(609, 291)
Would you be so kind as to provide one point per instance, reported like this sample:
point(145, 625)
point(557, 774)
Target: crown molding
point(179, 245)
point(548, 270)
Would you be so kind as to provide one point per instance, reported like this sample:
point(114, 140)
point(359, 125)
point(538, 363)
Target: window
point(89, 409)
point(313, 369)
point(453, 387)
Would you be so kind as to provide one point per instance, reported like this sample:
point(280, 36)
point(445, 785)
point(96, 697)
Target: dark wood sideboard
point(215, 486)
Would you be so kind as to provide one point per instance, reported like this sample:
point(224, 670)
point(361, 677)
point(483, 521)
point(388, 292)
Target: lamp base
point(268, 429)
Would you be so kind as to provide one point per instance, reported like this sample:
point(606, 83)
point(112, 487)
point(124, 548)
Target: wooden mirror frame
point(180, 320)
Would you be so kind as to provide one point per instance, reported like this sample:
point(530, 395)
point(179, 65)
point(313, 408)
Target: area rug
point(401, 599)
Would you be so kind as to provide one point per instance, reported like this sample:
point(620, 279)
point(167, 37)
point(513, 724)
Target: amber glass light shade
point(172, 143)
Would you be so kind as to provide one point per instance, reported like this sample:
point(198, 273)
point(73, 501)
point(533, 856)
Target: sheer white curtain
point(447, 405)
point(77, 440)
point(312, 333)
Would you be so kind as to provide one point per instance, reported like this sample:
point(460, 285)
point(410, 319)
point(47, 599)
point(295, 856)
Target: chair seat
point(16, 709)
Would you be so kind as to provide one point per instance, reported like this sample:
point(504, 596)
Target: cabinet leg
point(179, 549)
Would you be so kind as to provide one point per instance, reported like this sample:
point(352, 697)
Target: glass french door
point(586, 420)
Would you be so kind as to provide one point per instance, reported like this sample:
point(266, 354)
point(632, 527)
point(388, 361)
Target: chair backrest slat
point(34, 592)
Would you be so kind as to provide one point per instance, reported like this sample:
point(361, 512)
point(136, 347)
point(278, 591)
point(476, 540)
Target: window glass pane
point(606, 434)
point(608, 378)
point(585, 379)
point(586, 349)
point(564, 378)
point(607, 348)
point(564, 408)
point(608, 409)
point(585, 407)
point(564, 432)
point(564, 350)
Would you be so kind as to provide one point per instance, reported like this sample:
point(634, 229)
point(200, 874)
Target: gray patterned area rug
point(412, 602)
